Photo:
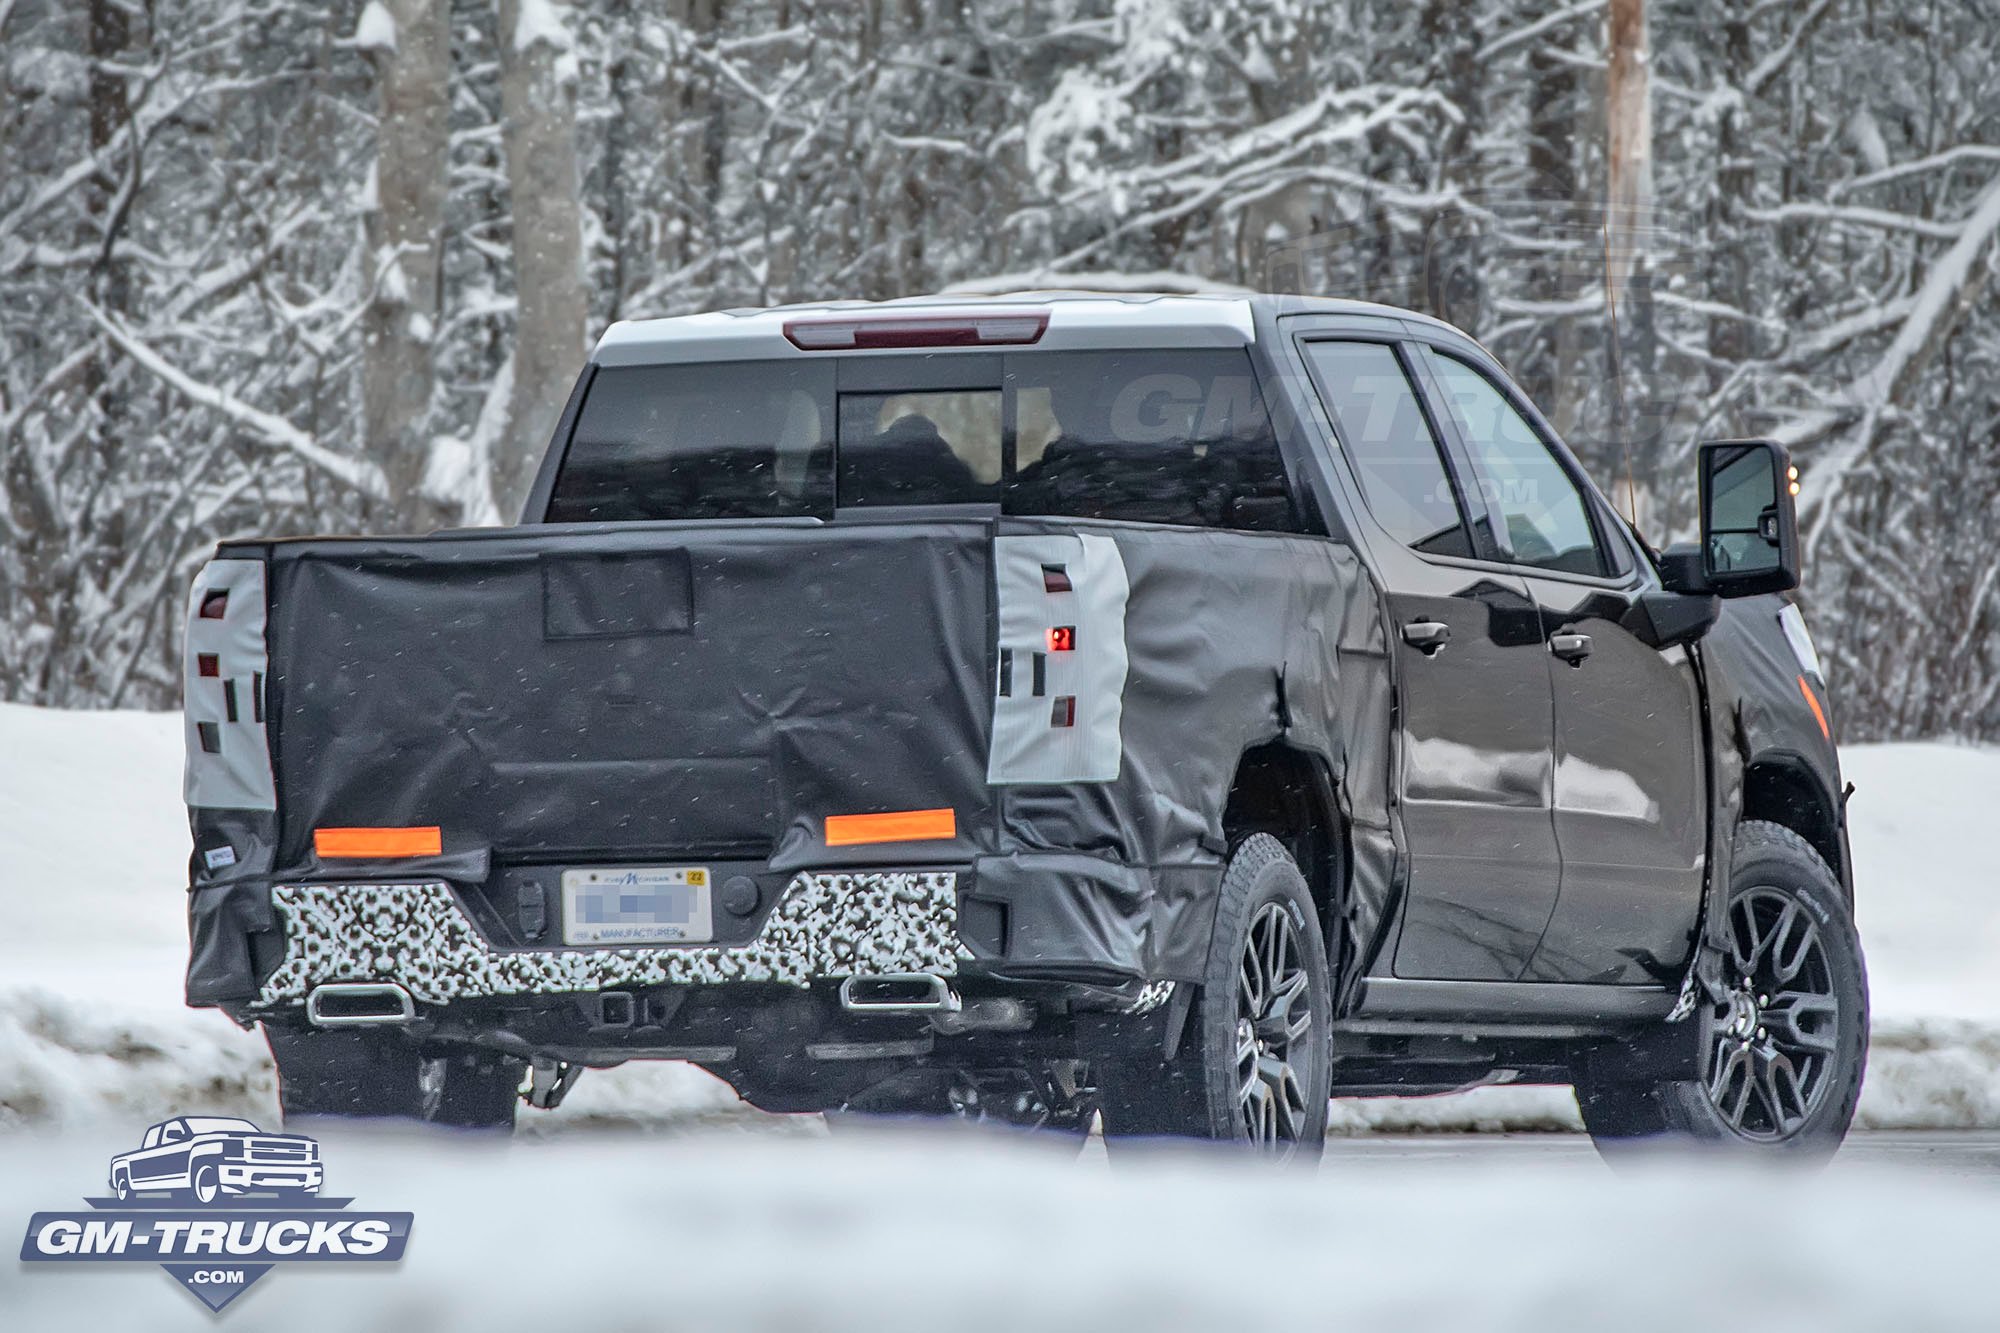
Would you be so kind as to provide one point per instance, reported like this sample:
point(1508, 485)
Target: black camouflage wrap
point(675, 693)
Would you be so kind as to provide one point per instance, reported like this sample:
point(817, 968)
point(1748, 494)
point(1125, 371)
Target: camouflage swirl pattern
point(416, 935)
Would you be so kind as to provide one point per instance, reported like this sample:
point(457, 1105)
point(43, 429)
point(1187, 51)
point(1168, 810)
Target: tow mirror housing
point(1749, 524)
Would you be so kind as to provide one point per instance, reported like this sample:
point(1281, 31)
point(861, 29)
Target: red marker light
point(1062, 639)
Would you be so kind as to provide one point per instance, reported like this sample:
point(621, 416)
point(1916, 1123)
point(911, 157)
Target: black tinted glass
point(1385, 436)
point(926, 447)
point(1548, 522)
point(1146, 436)
point(745, 440)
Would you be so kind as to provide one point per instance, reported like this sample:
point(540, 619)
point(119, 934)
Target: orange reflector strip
point(897, 826)
point(1812, 702)
point(359, 842)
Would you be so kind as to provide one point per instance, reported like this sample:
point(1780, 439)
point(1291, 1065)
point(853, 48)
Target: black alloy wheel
point(1780, 1035)
point(1775, 1029)
point(1253, 1063)
point(1273, 1028)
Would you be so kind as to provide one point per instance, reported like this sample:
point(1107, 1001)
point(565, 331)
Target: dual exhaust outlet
point(899, 993)
point(359, 1004)
point(928, 993)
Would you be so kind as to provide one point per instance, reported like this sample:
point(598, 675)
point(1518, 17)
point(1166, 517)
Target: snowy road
point(1970, 1155)
point(966, 1232)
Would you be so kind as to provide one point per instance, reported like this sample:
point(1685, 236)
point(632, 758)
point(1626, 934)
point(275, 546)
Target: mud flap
point(1663, 1053)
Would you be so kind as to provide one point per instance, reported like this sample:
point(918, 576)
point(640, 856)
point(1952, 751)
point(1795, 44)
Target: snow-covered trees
point(270, 267)
point(402, 207)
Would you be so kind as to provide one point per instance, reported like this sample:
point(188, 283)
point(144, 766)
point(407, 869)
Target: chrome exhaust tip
point(355, 1004)
point(898, 993)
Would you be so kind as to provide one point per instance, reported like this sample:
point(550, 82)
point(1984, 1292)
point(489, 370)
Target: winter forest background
point(278, 267)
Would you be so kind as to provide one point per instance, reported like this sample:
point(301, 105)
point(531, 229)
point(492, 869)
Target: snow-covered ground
point(966, 1233)
point(93, 844)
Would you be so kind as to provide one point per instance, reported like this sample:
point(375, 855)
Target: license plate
point(637, 905)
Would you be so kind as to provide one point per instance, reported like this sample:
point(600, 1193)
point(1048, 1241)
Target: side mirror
point(1749, 524)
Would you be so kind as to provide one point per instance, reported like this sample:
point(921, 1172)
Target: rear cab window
point(726, 440)
point(1175, 437)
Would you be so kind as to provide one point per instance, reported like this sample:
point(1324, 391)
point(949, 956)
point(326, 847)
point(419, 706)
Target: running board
point(1390, 1005)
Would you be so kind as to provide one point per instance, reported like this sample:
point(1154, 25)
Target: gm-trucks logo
point(218, 1203)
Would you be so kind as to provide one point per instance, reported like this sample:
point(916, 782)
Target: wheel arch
point(1779, 787)
point(1291, 793)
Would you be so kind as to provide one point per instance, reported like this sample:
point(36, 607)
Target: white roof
point(1077, 322)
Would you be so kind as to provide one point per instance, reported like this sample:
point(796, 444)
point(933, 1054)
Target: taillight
point(957, 328)
point(229, 757)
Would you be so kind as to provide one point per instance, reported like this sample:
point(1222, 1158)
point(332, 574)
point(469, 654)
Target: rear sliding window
point(1177, 437)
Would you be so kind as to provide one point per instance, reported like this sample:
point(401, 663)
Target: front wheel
point(207, 1185)
point(1784, 1035)
point(1254, 1066)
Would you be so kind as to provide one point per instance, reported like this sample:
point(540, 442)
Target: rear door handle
point(1427, 636)
point(1571, 648)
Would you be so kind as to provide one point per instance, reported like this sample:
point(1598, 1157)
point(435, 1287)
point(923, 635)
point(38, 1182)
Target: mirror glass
point(1743, 525)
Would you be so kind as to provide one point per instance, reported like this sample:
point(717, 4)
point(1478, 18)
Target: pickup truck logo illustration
point(206, 1158)
point(217, 1203)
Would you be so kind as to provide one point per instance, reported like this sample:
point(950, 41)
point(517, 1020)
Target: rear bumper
point(271, 1175)
point(826, 925)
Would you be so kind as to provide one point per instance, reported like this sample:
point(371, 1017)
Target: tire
point(1778, 1079)
point(207, 1185)
point(360, 1074)
point(1253, 1066)
point(121, 1186)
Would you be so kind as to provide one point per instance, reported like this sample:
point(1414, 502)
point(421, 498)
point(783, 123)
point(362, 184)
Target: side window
point(1547, 519)
point(1384, 435)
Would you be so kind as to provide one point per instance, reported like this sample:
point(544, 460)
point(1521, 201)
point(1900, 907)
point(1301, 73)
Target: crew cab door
point(1474, 717)
point(1629, 809)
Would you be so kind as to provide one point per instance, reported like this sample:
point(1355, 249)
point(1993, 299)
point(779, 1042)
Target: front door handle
point(1571, 648)
point(1427, 636)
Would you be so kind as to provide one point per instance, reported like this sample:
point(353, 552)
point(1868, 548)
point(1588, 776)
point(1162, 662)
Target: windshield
point(1179, 437)
point(215, 1124)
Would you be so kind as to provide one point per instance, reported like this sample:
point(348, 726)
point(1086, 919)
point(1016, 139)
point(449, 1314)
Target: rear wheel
point(1784, 1035)
point(1253, 1066)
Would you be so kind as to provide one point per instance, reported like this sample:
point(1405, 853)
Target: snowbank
point(914, 1233)
point(92, 859)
